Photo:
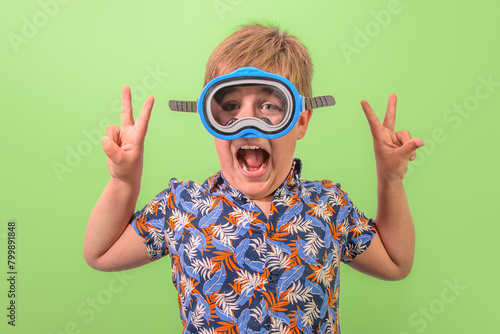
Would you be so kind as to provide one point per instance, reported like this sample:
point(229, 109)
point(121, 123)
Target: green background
point(62, 66)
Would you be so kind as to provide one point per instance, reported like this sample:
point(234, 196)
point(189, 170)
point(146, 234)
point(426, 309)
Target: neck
point(264, 205)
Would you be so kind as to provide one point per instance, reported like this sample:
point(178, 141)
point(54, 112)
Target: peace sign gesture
point(124, 145)
point(393, 150)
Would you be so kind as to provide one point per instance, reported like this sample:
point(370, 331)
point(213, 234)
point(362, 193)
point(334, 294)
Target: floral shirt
point(237, 271)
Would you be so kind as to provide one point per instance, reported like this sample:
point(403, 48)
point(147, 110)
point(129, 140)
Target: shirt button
point(270, 279)
point(267, 326)
point(271, 234)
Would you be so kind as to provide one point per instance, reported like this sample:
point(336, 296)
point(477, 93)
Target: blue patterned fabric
point(237, 272)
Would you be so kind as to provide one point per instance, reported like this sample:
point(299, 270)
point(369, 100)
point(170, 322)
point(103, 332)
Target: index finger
point(127, 116)
point(143, 119)
point(390, 114)
point(372, 118)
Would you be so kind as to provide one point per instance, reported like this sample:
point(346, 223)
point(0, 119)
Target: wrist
point(391, 176)
point(131, 185)
point(126, 176)
point(389, 183)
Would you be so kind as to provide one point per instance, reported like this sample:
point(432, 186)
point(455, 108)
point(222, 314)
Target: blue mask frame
point(251, 127)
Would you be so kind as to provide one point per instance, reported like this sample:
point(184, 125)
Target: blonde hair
point(268, 48)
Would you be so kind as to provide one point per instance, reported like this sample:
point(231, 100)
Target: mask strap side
point(184, 106)
point(319, 102)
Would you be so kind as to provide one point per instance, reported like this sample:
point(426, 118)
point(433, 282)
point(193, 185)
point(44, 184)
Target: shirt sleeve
point(150, 223)
point(357, 230)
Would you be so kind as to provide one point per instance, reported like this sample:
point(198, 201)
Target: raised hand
point(393, 150)
point(124, 145)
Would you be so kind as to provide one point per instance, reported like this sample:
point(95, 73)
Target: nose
point(249, 109)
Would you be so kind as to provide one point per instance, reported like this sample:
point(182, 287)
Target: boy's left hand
point(393, 150)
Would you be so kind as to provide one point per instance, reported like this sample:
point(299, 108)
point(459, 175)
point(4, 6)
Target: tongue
point(253, 158)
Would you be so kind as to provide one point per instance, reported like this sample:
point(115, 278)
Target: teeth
point(250, 147)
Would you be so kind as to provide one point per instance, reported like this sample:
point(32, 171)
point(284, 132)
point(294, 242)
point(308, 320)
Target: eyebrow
point(219, 95)
point(270, 90)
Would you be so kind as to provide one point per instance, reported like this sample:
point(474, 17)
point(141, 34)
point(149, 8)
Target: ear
point(303, 122)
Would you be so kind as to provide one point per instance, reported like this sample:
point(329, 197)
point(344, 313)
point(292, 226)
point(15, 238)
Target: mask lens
point(232, 103)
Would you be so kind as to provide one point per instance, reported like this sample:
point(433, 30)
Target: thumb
point(409, 148)
point(111, 149)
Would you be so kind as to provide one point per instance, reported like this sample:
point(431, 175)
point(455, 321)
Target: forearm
point(390, 255)
point(395, 224)
point(109, 218)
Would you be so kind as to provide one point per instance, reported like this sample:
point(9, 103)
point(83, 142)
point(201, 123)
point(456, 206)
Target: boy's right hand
point(124, 145)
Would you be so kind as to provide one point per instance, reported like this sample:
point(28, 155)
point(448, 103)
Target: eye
point(230, 106)
point(270, 106)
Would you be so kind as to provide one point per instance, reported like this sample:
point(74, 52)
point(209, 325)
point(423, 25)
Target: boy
point(254, 249)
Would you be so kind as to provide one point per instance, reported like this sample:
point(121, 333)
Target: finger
point(409, 149)
point(143, 119)
point(111, 149)
point(127, 116)
point(371, 117)
point(390, 113)
point(113, 133)
point(402, 137)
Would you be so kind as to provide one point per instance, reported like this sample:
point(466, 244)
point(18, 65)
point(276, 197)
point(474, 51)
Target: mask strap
point(310, 103)
point(185, 106)
point(319, 101)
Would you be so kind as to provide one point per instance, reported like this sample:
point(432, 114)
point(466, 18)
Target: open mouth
point(252, 159)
